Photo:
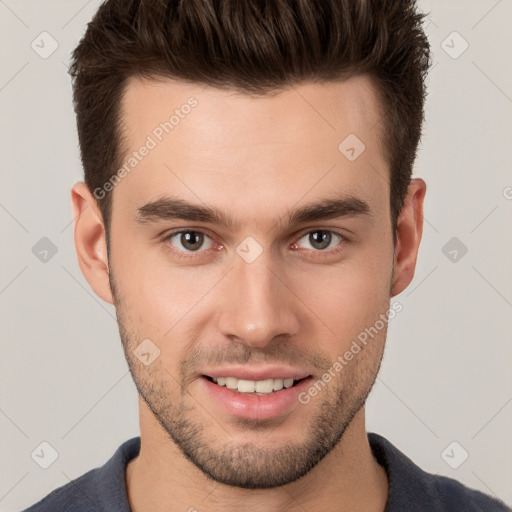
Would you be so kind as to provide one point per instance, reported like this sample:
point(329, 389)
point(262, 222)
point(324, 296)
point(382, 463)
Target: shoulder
point(78, 495)
point(411, 488)
point(452, 495)
point(100, 489)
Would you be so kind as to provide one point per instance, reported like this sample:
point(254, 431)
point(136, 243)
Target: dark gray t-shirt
point(410, 488)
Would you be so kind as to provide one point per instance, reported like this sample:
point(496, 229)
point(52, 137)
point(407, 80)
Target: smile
point(259, 387)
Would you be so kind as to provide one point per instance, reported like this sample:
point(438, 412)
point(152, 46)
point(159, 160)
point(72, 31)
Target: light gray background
point(446, 371)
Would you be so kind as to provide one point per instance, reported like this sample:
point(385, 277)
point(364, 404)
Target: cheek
point(164, 302)
point(349, 297)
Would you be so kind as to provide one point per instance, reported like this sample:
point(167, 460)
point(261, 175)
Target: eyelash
point(190, 255)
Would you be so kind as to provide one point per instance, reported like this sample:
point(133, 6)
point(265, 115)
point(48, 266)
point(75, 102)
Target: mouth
point(255, 387)
point(262, 399)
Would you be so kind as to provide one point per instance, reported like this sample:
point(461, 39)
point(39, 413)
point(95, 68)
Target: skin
point(256, 158)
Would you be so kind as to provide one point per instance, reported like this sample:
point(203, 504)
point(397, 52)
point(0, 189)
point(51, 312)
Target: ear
point(90, 241)
point(409, 231)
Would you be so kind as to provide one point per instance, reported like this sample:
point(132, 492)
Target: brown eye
point(188, 241)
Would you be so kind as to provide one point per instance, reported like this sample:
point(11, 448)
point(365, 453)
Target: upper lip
point(260, 373)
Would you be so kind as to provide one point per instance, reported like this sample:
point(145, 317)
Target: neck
point(160, 477)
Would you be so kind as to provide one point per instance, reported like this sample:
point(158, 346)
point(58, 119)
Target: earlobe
point(409, 231)
point(90, 241)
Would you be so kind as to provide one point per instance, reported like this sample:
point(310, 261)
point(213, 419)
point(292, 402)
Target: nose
point(258, 305)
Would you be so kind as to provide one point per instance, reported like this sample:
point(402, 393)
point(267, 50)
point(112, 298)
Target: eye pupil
point(189, 238)
point(324, 239)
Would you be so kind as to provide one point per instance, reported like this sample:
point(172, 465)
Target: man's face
point(276, 299)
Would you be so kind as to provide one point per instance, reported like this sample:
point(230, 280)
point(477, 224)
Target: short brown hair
point(253, 47)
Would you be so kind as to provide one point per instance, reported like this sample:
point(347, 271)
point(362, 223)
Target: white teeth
point(264, 386)
point(288, 383)
point(278, 384)
point(246, 386)
point(250, 386)
point(231, 383)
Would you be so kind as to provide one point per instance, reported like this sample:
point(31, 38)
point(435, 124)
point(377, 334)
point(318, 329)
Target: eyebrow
point(172, 208)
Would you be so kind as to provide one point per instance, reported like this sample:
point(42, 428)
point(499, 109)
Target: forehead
point(253, 153)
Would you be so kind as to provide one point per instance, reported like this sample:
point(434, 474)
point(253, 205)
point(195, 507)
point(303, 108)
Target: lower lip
point(253, 406)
